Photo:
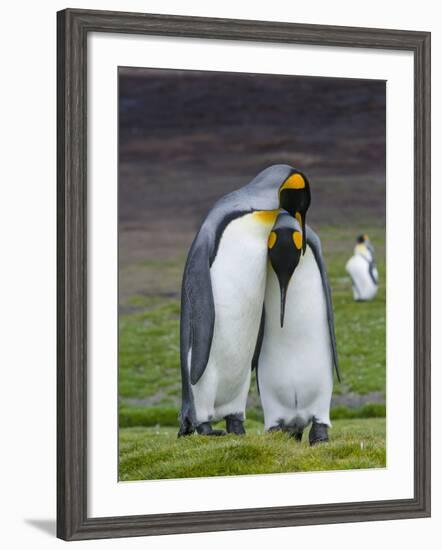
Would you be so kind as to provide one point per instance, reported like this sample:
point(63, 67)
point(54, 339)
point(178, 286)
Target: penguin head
point(295, 197)
point(285, 245)
point(363, 245)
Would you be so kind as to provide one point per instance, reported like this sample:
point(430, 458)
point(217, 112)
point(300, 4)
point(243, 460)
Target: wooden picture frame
point(73, 27)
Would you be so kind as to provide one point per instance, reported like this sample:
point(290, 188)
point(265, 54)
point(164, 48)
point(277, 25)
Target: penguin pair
point(223, 291)
point(362, 269)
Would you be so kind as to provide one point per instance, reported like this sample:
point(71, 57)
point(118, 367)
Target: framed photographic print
point(243, 274)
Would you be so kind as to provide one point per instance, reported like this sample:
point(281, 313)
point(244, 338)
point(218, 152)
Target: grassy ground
point(360, 326)
point(155, 453)
point(149, 382)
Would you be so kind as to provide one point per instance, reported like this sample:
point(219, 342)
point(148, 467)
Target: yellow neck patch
point(295, 181)
point(266, 216)
point(297, 239)
point(299, 218)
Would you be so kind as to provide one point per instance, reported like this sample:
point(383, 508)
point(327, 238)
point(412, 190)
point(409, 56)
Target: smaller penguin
point(296, 348)
point(362, 269)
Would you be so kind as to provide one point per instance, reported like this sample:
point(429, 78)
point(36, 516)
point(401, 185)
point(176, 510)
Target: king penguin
point(222, 297)
point(362, 269)
point(296, 348)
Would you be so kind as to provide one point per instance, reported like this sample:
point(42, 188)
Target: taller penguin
point(222, 296)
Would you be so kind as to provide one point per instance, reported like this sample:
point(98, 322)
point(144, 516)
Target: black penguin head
point(365, 242)
point(295, 197)
point(285, 245)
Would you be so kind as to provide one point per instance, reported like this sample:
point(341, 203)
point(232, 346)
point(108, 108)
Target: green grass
point(149, 352)
point(132, 416)
point(156, 453)
point(360, 326)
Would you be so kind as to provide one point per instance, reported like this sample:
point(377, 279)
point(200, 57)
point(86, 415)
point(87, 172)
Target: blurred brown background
point(188, 137)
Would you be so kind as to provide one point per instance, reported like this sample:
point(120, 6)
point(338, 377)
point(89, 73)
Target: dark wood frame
point(73, 27)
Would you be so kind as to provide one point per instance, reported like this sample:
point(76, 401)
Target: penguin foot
point(235, 424)
point(186, 428)
point(205, 428)
point(277, 428)
point(318, 433)
point(290, 430)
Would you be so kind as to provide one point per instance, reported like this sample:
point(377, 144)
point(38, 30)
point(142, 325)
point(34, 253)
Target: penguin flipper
point(373, 272)
point(315, 244)
point(197, 286)
point(255, 358)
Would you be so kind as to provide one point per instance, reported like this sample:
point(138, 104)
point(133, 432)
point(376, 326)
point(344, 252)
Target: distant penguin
point(362, 269)
point(222, 296)
point(296, 349)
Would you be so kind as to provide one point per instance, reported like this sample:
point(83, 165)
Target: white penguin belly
point(363, 286)
point(295, 365)
point(238, 277)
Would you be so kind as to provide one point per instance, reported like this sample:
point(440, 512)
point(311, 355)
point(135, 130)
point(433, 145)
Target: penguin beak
point(296, 202)
point(284, 263)
point(283, 288)
point(292, 207)
point(301, 220)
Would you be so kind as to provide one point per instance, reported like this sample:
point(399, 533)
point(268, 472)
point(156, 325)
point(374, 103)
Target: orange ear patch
point(297, 239)
point(295, 181)
point(272, 239)
point(299, 218)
